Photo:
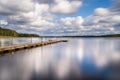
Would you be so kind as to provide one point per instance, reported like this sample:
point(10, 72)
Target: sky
point(61, 17)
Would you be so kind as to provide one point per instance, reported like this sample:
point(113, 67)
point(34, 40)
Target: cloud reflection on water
point(77, 59)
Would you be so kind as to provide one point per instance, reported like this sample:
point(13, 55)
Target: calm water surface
point(77, 59)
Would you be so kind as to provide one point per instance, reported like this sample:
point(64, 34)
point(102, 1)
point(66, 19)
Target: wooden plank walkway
point(27, 46)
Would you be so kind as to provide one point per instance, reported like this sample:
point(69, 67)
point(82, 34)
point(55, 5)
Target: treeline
point(28, 35)
point(8, 32)
point(112, 35)
point(13, 33)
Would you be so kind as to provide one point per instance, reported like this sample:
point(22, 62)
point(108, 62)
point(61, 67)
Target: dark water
point(78, 59)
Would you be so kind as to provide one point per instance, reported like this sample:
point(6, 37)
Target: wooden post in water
point(0, 42)
point(12, 41)
point(31, 39)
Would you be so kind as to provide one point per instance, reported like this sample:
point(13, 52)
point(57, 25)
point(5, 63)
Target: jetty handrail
point(29, 45)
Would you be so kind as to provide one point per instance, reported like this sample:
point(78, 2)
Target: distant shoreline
point(62, 36)
point(83, 36)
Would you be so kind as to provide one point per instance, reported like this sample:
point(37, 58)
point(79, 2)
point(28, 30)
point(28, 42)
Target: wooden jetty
point(27, 46)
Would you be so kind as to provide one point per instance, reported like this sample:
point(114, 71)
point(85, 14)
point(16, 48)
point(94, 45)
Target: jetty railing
point(27, 46)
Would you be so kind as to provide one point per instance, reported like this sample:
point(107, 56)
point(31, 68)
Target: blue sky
point(61, 17)
point(90, 5)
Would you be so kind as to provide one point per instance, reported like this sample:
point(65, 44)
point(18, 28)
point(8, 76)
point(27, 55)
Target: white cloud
point(115, 18)
point(101, 12)
point(65, 6)
point(44, 1)
point(12, 7)
point(3, 22)
point(37, 16)
point(30, 14)
point(39, 22)
point(72, 21)
point(102, 20)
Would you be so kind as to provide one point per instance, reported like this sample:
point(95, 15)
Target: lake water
point(77, 59)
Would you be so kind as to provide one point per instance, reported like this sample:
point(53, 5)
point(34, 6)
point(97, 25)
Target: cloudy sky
point(61, 17)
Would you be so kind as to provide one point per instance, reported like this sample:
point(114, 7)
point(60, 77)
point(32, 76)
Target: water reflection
point(80, 58)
